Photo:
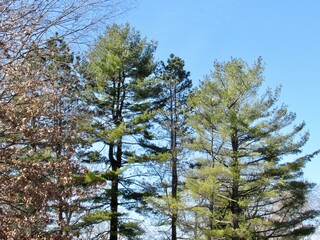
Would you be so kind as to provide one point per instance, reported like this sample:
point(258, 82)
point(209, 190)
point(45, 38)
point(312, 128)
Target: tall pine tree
point(248, 185)
point(121, 94)
point(176, 87)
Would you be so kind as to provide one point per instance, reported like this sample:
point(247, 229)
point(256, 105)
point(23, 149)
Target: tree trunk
point(174, 216)
point(174, 174)
point(174, 185)
point(118, 102)
point(114, 196)
point(114, 221)
point(235, 208)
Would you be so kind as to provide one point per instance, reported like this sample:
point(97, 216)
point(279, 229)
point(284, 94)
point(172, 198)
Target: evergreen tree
point(121, 94)
point(176, 86)
point(248, 185)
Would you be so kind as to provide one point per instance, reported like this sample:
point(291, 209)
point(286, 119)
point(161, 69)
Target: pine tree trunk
point(174, 177)
point(235, 208)
point(114, 222)
point(174, 196)
point(114, 209)
point(116, 163)
point(174, 185)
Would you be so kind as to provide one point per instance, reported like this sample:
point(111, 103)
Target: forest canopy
point(114, 144)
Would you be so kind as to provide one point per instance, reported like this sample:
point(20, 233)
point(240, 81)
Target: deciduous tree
point(38, 139)
point(37, 132)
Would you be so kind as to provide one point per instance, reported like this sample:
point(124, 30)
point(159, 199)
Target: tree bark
point(116, 162)
point(114, 195)
point(235, 208)
point(114, 221)
point(174, 174)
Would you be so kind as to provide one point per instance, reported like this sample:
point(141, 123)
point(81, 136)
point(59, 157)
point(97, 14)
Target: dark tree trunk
point(174, 186)
point(116, 162)
point(235, 208)
point(114, 195)
point(174, 216)
point(174, 177)
point(114, 221)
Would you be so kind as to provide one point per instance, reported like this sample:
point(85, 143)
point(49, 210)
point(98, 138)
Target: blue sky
point(286, 34)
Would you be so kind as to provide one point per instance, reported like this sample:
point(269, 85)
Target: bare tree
point(23, 22)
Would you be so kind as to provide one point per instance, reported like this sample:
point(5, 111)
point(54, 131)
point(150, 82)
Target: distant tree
point(247, 185)
point(122, 95)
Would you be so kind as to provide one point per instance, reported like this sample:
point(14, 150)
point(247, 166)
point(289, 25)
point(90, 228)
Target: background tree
point(67, 116)
point(248, 185)
point(121, 94)
point(176, 86)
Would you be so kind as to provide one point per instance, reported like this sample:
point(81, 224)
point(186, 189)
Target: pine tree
point(122, 95)
point(248, 184)
point(176, 86)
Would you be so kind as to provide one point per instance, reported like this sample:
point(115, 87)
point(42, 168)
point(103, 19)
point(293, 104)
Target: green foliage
point(92, 178)
point(246, 173)
point(131, 230)
point(121, 92)
point(116, 133)
point(173, 131)
point(245, 187)
point(96, 217)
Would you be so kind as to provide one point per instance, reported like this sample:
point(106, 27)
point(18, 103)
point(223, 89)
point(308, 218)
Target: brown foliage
point(41, 188)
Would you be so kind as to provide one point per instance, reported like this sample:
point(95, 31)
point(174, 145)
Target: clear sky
point(285, 33)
